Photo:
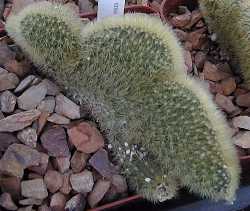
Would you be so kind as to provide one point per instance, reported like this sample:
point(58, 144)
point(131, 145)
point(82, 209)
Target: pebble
point(225, 103)
point(100, 162)
point(6, 139)
point(31, 201)
point(52, 89)
point(242, 140)
point(85, 137)
point(18, 121)
point(43, 164)
point(78, 161)
point(82, 182)
point(19, 68)
point(31, 98)
point(241, 122)
point(54, 141)
point(119, 183)
point(28, 137)
point(66, 107)
point(199, 59)
point(35, 188)
point(58, 202)
point(243, 100)
point(212, 73)
point(53, 180)
point(47, 105)
point(58, 119)
point(17, 158)
point(62, 164)
point(228, 85)
point(8, 81)
point(76, 203)
point(100, 189)
point(66, 187)
point(7, 202)
point(7, 102)
point(11, 185)
point(25, 83)
point(182, 20)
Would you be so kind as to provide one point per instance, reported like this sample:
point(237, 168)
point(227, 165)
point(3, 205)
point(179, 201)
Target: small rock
point(66, 107)
point(76, 203)
point(52, 89)
point(6, 139)
point(25, 83)
point(7, 202)
point(85, 138)
point(58, 119)
point(18, 121)
point(55, 142)
point(19, 68)
point(31, 201)
point(35, 188)
point(42, 121)
point(182, 20)
point(8, 81)
point(5, 53)
point(17, 158)
point(53, 180)
point(188, 61)
point(242, 140)
point(28, 136)
point(225, 103)
point(32, 97)
point(8, 102)
point(196, 16)
point(197, 38)
point(101, 187)
point(62, 163)
point(58, 202)
point(228, 85)
point(215, 87)
point(243, 100)
point(100, 162)
point(78, 161)
point(82, 182)
point(66, 187)
point(11, 185)
point(29, 208)
point(224, 67)
point(212, 73)
point(242, 122)
point(181, 35)
point(41, 169)
point(119, 183)
point(44, 208)
point(200, 59)
point(47, 105)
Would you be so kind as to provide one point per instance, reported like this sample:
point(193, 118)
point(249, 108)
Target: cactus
point(130, 80)
point(229, 19)
point(58, 44)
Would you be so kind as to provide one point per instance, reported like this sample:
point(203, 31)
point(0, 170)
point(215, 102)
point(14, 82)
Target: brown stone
point(53, 180)
point(17, 158)
point(119, 183)
point(196, 16)
point(242, 122)
point(18, 121)
point(7, 202)
point(212, 73)
point(42, 167)
point(200, 59)
point(58, 202)
point(35, 188)
point(11, 185)
point(197, 38)
point(66, 187)
point(215, 87)
point(8, 102)
point(8, 81)
point(243, 100)
point(31, 98)
point(78, 161)
point(96, 195)
point(28, 136)
point(62, 164)
point(54, 141)
point(225, 103)
point(58, 119)
point(82, 182)
point(182, 20)
point(47, 105)
point(6, 139)
point(85, 138)
point(42, 122)
point(100, 162)
point(66, 107)
point(19, 68)
point(76, 203)
point(228, 85)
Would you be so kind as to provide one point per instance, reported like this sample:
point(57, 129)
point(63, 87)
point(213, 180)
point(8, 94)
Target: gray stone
point(28, 136)
point(58, 201)
point(76, 203)
point(8, 102)
point(82, 182)
point(58, 119)
point(35, 188)
point(31, 201)
point(52, 89)
point(8, 81)
point(53, 180)
point(47, 105)
point(7, 202)
point(25, 83)
point(242, 122)
point(32, 97)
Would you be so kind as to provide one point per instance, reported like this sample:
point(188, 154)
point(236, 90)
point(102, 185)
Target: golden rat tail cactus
point(129, 77)
point(230, 19)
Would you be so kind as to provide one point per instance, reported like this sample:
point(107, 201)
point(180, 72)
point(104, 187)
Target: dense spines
point(230, 19)
point(130, 80)
point(50, 33)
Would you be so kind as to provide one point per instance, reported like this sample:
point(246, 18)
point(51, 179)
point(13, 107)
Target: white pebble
point(147, 179)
